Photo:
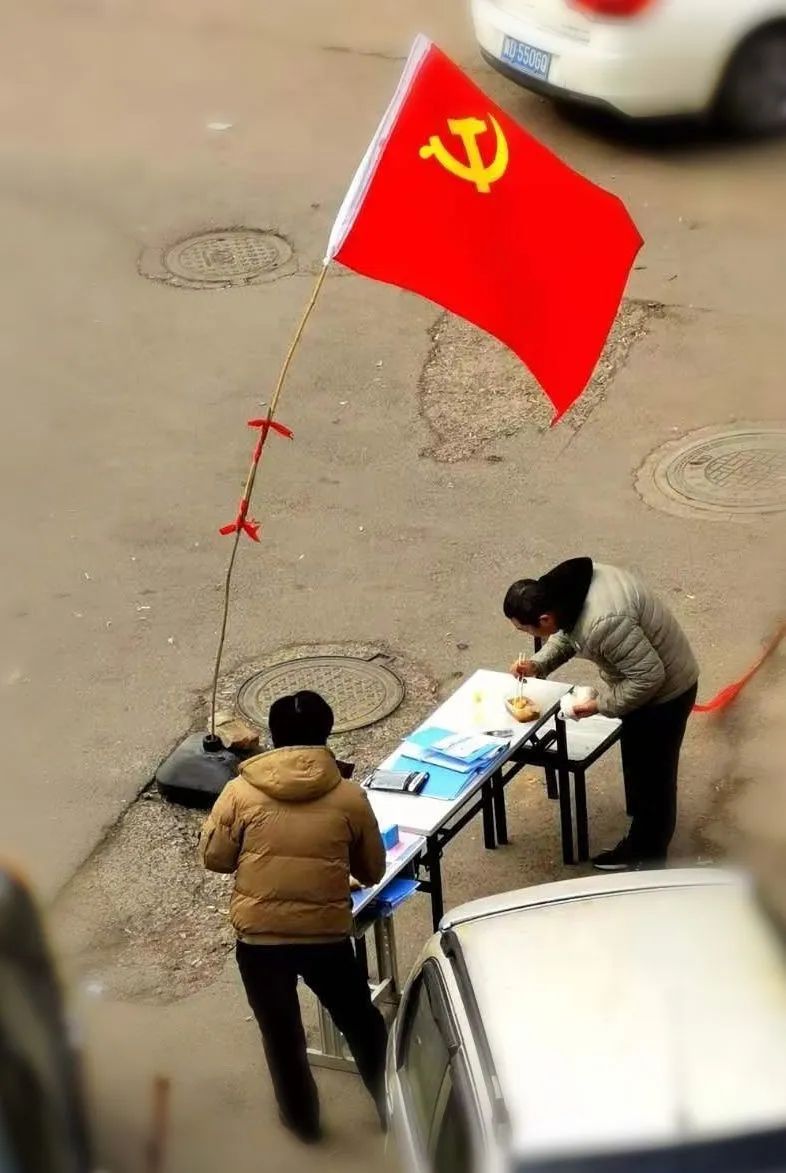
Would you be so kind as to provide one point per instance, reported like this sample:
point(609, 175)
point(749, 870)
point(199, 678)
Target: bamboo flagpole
point(242, 523)
point(342, 224)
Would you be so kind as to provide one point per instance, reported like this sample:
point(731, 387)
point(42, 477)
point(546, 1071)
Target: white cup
point(566, 708)
point(579, 696)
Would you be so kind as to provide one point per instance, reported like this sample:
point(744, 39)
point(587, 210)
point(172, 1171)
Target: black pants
point(651, 741)
point(270, 975)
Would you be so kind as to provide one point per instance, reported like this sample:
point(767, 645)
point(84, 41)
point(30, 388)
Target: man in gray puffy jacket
point(649, 674)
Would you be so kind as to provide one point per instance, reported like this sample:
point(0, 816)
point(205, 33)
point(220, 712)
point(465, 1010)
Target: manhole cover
point(360, 692)
point(230, 256)
point(719, 472)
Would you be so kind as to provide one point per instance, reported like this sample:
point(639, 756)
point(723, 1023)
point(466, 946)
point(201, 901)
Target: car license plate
point(526, 58)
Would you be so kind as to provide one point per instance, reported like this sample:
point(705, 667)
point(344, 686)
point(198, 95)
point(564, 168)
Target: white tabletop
point(415, 812)
point(585, 736)
point(400, 857)
point(477, 705)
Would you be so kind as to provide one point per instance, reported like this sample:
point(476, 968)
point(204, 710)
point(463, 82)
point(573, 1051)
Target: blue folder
point(442, 782)
point(428, 738)
point(357, 897)
point(395, 893)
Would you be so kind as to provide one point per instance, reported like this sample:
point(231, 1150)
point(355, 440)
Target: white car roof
point(641, 1011)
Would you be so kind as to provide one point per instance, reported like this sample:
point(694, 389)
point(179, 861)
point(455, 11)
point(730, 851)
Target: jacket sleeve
point(222, 834)
point(366, 849)
point(622, 644)
point(556, 651)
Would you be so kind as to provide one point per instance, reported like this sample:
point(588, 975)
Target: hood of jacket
point(297, 773)
point(566, 588)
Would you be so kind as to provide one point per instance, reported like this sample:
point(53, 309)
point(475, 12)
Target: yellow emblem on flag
point(474, 170)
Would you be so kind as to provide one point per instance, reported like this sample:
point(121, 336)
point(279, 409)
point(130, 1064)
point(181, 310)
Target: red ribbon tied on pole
point(265, 425)
point(242, 523)
point(274, 426)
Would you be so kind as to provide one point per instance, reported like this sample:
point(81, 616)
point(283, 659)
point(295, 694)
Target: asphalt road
point(125, 445)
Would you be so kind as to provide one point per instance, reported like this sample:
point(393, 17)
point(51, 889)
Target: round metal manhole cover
point(360, 692)
point(719, 472)
point(229, 256)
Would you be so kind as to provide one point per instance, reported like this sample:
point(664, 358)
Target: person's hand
point(585, 709)
point(355, 885)
point(523, 668)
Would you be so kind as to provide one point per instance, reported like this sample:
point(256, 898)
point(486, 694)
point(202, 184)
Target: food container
point(522, 709)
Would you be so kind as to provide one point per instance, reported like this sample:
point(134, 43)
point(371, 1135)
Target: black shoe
point(307, 1134)
point(619, 859)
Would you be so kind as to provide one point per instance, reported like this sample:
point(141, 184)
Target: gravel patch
point(142, 920)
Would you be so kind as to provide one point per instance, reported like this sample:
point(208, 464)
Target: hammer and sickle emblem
point(474, 170)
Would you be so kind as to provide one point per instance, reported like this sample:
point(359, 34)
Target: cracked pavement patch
point(474, 391)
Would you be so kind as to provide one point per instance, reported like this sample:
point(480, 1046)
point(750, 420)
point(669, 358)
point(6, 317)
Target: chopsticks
point(519, 681)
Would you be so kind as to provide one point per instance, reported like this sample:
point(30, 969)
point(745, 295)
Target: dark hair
point(525, 601)
point(303, 719)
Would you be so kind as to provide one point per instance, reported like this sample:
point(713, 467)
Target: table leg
point(565, 817)
point(330, 1052)
point(361, 952)
point(385, 994)
point(500, 814)
point(582, 823)
point(387, 957)
point(552, 789)
point(489, 839)
point(563, 780)
point(435, 881)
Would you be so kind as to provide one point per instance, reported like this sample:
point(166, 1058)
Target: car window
point(424, 1058)
point(453, 1147)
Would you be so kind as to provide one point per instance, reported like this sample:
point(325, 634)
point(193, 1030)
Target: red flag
point(455, 201)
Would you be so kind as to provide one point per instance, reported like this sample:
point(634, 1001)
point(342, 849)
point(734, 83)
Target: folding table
point(477, 705)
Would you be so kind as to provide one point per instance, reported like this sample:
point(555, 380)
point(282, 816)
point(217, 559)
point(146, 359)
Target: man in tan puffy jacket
point(649, 673)
point(293, 830)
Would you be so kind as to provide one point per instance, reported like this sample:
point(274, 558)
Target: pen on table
point(503, 735)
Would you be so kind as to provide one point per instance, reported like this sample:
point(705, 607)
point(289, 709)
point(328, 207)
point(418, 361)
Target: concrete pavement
point(125, 446)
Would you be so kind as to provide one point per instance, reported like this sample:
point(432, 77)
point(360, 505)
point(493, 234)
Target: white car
point(626, 1024)
point(646, 58)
